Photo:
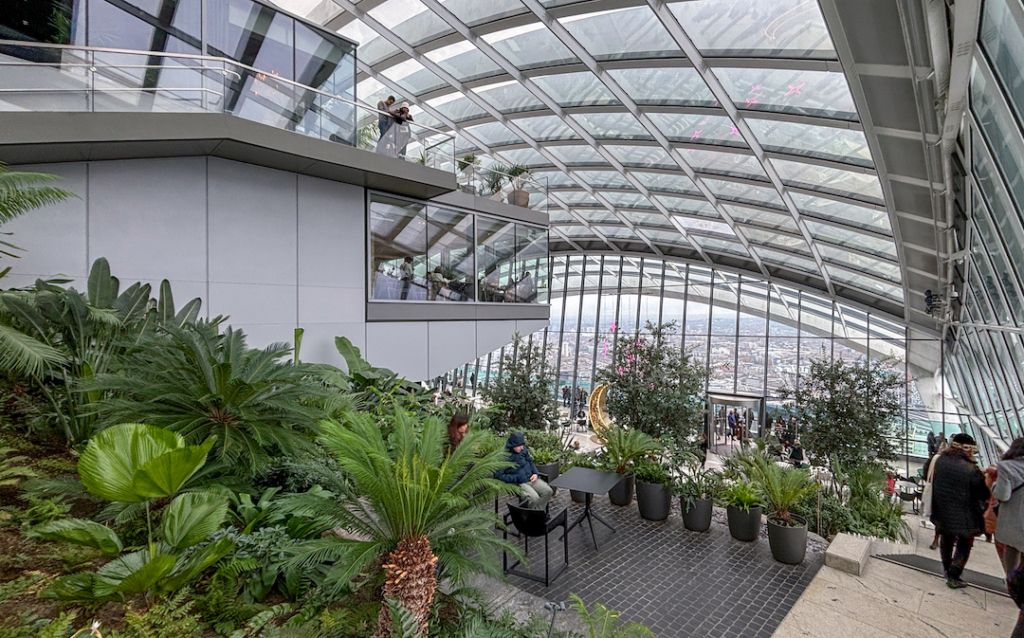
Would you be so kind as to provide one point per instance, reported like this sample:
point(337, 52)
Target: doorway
point(732, 419)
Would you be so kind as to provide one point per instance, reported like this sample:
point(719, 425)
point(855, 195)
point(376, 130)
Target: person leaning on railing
point(383, 121)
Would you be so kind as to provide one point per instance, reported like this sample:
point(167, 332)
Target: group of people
point(967, 502)
point(388, 116)
point(574, 398)
point(535, 491)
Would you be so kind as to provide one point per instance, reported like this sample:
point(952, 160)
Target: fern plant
point(602, 622)
point(11, 472)
point(173, 618)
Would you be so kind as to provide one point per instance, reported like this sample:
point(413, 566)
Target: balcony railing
point(52, 77)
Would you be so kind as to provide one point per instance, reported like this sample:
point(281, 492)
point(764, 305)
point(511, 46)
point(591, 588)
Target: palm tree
point(425, 516)
point(200, 382)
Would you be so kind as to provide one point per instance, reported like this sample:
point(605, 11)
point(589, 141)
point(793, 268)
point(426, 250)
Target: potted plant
point(696, 488)
point(621, 448)
point(516, 176)
point(783, 489)
point(467, 165)
point(743, 508)
point(653, 496)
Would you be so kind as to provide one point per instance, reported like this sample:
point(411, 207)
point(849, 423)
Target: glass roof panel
point(409, 20)
point(557, 215)
point(613, 126)
point(525, 156)
point(372, 47)
point(667, 182)
point(647, 220)
point(546, 128)
point(853, 239)
point(707, 227)
point(556, 179)
point(509, 97)
point(770, 256)
point(877, 267)
point(818, 93)
point(768, 219)
point(627, 199)
point(458, 108)
point(724, 163)
point(576, 89)
point(604, 179)
point(575, 230)
point(473, 11)
point(464, 61)
point(578, 198)
point(669, 86)
point(618, 232)
point(863, 282)
point(622, 33)
point(793, 243)
point(822, 178)
point(579, 155)
point(843, 212)
point(738, 191)
point(665, 236)
point(493, 134)
point(596, 215)
point(756, 28)
point(642, 156)
point(414, 77)
point(699, 129)
point(825, 142)
point(701, 208)
point(530, 46)
point(721, 245)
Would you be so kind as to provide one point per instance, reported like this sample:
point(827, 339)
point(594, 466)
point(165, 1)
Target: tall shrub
point(655, 387)
point(524, 390)
point(847, 410)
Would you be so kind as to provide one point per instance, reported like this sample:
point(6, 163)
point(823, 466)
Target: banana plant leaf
point(102, 288)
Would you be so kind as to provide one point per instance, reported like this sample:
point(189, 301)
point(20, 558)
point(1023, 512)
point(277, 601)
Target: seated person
point(523, 473)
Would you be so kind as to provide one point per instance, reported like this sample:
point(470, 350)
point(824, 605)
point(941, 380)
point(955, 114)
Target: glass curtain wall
point(755, 336)
point(985, 360)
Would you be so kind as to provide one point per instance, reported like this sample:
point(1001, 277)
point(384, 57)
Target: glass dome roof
point(714, 128)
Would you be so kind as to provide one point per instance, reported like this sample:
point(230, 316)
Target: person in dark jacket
point(523, 473)
point(958, 492)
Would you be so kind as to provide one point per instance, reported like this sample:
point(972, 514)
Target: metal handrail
point(192, 56)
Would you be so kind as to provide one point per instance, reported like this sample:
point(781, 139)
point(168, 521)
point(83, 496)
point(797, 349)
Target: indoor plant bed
point(653, 496)
point(743, 509)
point(696, 489)
point(621, 449)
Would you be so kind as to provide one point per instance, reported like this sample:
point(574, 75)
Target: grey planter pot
point(744, 526)
point(578, 496)
point(622, 494)
point(789, 544)
point(519, 198)
point(654, 500)
point(698, 517)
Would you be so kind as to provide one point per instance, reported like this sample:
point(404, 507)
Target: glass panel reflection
point(398, 250)
point(495, 258)
point(450, 247)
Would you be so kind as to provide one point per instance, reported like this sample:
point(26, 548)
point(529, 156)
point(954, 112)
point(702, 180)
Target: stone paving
point(677, 582)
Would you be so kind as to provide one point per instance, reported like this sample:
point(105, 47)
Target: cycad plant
point(783, 489)
point(425, 517)
point(602, 622)
point(21, 192)
point(134, 463)
point(623, 446)
point(198, 382)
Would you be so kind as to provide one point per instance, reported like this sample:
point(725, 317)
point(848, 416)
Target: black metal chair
point(535, 523)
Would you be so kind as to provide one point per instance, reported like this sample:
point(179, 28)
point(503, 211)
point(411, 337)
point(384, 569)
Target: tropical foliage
point(524, 393)
point(20, 193)
point(622, 447)
point(655, 388)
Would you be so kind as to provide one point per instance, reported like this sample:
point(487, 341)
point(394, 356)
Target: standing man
point(384, 120)
point(732, 422)
point(406, 275)
point(958, 491)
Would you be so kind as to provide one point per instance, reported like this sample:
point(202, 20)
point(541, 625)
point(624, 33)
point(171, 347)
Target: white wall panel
point(528, 327)
point(53, 239)
point(148, 217)
point(253, 303)
point(253, 217)
point(332, 240)
point(491, 335)
point(401, 346)
point(318, 341)
point(451, 344)
point(321, 304)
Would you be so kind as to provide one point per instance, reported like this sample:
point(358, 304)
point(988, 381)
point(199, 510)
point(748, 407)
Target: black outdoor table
point(583, 479)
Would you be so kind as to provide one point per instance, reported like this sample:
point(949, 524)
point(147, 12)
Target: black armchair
point(535, 523)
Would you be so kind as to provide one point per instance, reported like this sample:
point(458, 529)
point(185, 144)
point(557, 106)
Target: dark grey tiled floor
point(677, 582)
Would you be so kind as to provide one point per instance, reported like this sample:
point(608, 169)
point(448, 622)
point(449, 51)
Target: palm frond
point(24, 355)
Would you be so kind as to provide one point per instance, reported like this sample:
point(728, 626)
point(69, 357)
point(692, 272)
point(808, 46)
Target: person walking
point(958, 491)
point(1009, 530)
point(524, 472)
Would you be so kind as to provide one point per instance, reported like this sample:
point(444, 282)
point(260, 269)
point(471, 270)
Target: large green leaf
point(132, 303)
point(113, 457)
point(353, 359)
point(188, 313)
point(102, 287)
point(164, 475)
point(165, 305)
point(135, 573)
point(80, 587)
point(81, 532)
point(193, 517)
